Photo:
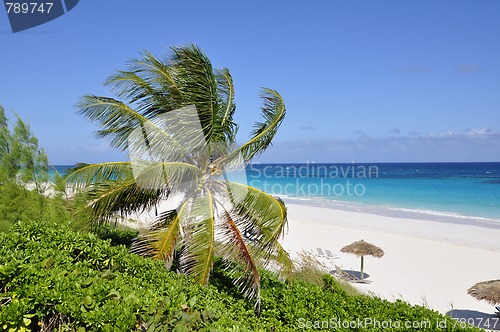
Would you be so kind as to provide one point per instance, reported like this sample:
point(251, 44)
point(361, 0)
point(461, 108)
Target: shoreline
point(426, 262)
point(394, 212)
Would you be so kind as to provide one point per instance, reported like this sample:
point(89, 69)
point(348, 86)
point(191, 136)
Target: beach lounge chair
point(330, 255)
point(326, 253)
point(346, 276)
point(341, 274)
point(320, 252)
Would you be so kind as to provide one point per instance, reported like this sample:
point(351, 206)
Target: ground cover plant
point(53, 277)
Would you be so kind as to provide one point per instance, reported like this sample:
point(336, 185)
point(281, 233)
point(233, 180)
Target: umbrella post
point(362, 265)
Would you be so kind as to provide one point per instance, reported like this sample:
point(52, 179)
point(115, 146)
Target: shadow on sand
point(357, 274)
point(489, 322)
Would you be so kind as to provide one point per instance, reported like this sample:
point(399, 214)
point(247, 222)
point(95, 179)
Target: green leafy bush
point(117, 234)
point(46, 270)
point(52, 277)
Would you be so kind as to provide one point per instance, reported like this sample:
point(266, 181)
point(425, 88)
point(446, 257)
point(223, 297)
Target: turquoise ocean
point(436, 190)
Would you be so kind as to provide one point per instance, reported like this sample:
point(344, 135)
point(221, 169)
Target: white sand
point(426, 262)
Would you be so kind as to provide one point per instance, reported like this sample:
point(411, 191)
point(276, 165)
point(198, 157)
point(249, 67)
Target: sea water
point(454, 189)
point(435, 189)
point(58, 169)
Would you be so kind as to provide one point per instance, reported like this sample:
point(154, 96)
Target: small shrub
point(119, 235)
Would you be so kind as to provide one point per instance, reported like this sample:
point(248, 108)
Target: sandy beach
point(426, 262)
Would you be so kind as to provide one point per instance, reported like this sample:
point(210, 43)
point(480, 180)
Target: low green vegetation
point(53, 277)
point(117, 234)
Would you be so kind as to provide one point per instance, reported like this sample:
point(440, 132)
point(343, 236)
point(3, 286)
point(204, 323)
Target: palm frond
point(273, 113)
point(127, 129)
point(149, 98)
point(263, 219)
point(161, 241)
point(282, 258)
point(112, 188)
point(197, 254)
point(86, 174)
point(174, 176)
point(226, 96)
point(110, 199)
point(266, 212)
point(236, 251)
point(150, 84)
point(173, 136)
point(197, 83)
point(116, 118)
point(125, 187)
point(151, 89)
point(159, 71)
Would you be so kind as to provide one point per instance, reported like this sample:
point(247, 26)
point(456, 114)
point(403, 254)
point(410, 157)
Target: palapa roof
point(488, 291)
point(363, 248)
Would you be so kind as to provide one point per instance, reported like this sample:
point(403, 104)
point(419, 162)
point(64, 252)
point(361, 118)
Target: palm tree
point(175, 119)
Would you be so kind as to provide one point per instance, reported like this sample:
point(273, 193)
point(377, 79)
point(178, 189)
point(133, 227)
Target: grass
point(312, 271)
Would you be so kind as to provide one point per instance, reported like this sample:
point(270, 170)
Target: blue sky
point(364, 81)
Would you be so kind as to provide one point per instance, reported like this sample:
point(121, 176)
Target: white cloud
point(479, 133)
point(480, 144)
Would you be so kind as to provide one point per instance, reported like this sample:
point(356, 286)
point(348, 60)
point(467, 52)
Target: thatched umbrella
point(486, 290)
point(363, 248)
